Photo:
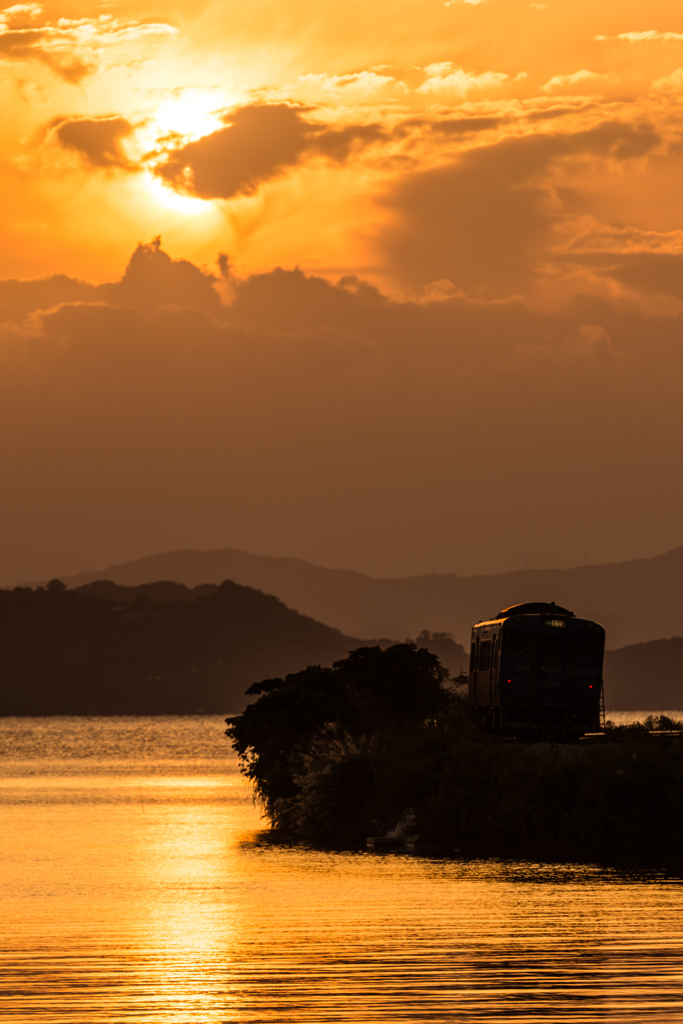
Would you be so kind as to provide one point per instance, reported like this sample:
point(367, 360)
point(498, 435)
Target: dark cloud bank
point(331, 422)
point(258, 142)
point(97, 139)
point(486, 220)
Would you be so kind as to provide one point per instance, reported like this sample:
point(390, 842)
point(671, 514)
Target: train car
point(536, 673)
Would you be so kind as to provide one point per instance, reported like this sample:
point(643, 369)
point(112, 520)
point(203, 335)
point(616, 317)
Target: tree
point(367, 694)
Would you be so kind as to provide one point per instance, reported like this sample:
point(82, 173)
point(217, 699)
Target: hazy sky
point(449, 332)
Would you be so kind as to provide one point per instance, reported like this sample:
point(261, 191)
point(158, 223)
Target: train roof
point(534, 608)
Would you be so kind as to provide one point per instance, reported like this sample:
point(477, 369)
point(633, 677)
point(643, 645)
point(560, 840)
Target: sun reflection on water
point(148, 894)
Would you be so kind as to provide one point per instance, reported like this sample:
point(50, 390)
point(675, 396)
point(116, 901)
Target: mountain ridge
point(637, 601)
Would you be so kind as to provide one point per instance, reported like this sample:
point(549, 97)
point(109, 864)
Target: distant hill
point(71, 652)
point(159, 648)
point(452, 655)
point(645, 676)
point(636, 601)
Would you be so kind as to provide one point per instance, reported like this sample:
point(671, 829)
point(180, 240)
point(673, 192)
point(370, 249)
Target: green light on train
point(554, 622)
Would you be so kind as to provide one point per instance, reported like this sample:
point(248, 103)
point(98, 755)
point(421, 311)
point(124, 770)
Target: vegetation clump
point(337, 754)
point(319, 745)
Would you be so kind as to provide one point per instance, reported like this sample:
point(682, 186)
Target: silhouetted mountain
point(161, 592)
point(635, 601)
point(159, 649)
point(645, 677)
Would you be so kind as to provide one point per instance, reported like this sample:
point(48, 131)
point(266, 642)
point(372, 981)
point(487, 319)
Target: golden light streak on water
point(134, 886)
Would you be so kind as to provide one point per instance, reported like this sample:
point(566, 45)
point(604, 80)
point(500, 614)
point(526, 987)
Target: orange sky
point(506, 174)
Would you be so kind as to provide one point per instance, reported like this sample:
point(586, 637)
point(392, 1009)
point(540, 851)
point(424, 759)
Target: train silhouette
point(536, 673)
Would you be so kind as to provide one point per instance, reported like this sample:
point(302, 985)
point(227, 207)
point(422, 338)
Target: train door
point(494, 694)
point(483, 691)
point(518, 661)
point(586, 650)
point(474, 657)
point(552, 657)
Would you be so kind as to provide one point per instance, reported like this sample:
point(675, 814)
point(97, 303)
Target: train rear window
point(484, 655)
point(518, 641)
point(553, 645)
point(587, 646)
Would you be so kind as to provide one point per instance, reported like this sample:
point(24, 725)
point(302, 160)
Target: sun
point(190, 206)
point(175, 119)
point(190, 113)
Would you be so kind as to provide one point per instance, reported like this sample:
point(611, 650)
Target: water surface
point(135, 886)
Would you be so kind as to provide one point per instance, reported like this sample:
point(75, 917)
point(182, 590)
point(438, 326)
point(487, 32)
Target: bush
point(310, 743)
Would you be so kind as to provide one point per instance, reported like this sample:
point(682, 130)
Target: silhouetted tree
point(370, 692)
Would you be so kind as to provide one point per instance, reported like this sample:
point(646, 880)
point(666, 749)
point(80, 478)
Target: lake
point(136, 885)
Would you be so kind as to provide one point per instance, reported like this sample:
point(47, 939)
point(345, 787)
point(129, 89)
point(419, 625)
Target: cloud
point(651, 35)
point(308, 413)
point(19, 298)
point(670, 83)
point(464, 125)
point(610, 239)
point(359, 84)
point(340, 143)
point(656, 273)
point(71, 48)
point(152, 280)
point(259, 142)
point(445, 77)
point(19, 14)
point(46, 46)
point(97, 139)
point(454, 3)
point(562, 81)
point(485, 220)
point(567, 109)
